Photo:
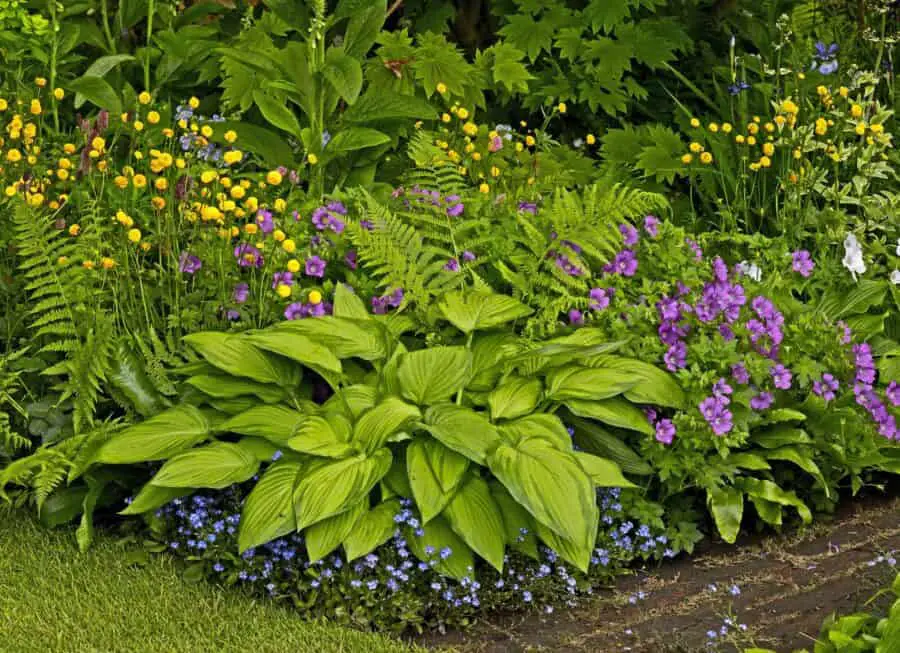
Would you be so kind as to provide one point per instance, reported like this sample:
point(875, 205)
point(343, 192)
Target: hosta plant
point(468, 430)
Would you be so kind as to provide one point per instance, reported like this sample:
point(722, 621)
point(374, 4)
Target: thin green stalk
point(104, 13)
point(54, 48)
point(151, 8)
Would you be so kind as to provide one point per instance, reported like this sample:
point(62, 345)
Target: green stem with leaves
point(151, 9)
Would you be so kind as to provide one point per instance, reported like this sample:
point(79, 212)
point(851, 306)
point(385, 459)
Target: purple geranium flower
point(452, 265)
point(651, 226)
point(455, 210)
point(265, 222)
point(350, 258)
point(827, 387)
point(665, 431)
point(468, 256)
point(802, 263)
point(624, 263)
point(282, 278)
point(248, 256)
point(761, 401)
point(782, 376)
point(740, 374)
point(188, 263)
point(240, 293)
point(315, 267)
point(629, 234)
point(715, 412)
point(600, 298)
point(528, 207)
point(576, 317)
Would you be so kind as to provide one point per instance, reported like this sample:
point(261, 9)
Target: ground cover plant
point(328, 329)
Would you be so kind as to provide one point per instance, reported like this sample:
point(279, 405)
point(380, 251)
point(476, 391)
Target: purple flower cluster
point(715, 408)
point(391, 300)
point(826, 387)
point(240, 293)
point(265, 221)
point(766, 326)
point(672, 330)
point(600, 298)
point(328, 217)
point(698, 252)
point(665, 431)
point(762, 401)
point(802, 263)
point(740, 374)
point(720, 297)
point(563, 263)
point(625, 263)
point(893, 393)
point(866, 395)
point(629, 235)
point(300, 310)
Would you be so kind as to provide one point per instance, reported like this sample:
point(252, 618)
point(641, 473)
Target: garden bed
point(788, 585)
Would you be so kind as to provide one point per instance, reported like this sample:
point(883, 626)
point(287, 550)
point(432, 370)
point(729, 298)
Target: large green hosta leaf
point(654, 385)
point(325, 536)
point(332, 487)
point(517, 522)
point(603, 472)
point(228, 387)
point(586, 383)
point(345, 337)
point(435, 473)
point(236, 355)
point(217, 466)
point(541, 425)
point(597, 440)
point(429, 376)
point(319, 436)
point(299, 348)
point(476, 518)
point(157, 438)
point(550, 484)
point(277, 424)
point(372, 530)
point(614, 411)
point(269, 508)
point(439, 537)
point(378, 424)
point(727, 508)
point(470, 311)
point(515, 397)
point(463, 430)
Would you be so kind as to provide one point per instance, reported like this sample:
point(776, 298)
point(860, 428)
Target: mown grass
point(55, 600)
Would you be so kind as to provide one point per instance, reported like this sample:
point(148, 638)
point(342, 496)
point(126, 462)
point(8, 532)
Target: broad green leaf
point(346, 338)
point(437, 537)
point(577, 553)
point(780, 436)
point(351, 139)
point(782, 415)
point(152, 497)
point(540, 425)
point(462, 430)
point(597, 440)
point(318, 436)
point(373, 529)
point(803, 460)
point(130, 378)
point(515, 397)
point(259, 448)
point(97, 91)
point(216, 466)
point(434, 473)
point(475, 517)
point(84, 534)
point(351, 401)
point(772, 492)
point(768, 511)
point(363, 29)
point(727, 508)
point(299, 348)
point(470, 311)
point(614, 411)
point(587, 384)
point(381, 422)
point(603, 473)
point(277, 424)
point(99, 68)
point(654, 386)
point(348, 304)
point(344, 74)
point(236, 355)
point(276, 113)
point(157, 438)
point(268, 511)
point(518, 524)
point(488, 351)
point(266, 144)
point(429, 376)
point(376, 105)
point(551, 485)
point(62, 506)
point(747, 460)
point(325, 536)
point(221, 386)
point(333, 487)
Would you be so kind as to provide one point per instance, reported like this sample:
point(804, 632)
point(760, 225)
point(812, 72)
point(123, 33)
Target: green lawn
point(55, 600)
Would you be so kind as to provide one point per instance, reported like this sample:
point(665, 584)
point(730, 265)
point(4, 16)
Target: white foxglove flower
point(751, 270)
point(898, 247)
point(853, 256)
point(895, 277)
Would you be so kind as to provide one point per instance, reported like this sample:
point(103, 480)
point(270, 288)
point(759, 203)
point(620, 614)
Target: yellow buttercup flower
point(876, 128)
point(768, 149)
point(283, 290)
point(313, 159)
point(739, 139)
point(210, 213)
point(314, 297)
point(445, 117)
point(161, 184)
point(134, 235)
point(561, 107)
point(695, 147)
point(144, 97)
point(484, 188)
point(860, 129)
point(751, 140)
point(590, 139)
point(62, 260)
point(3, 104)
point(706, 157)
point(293, 265)
point(821, 126)
point(529, 140)
point(194, 102)
point(686, 158)
point(695, 122)
point(856, 111)
point(107, 263)
point(843, 91)
point(462, 113)
point(9, 191)
point(153, 117)
point(278, 235)
point(753, 128)
point(62, 174)
point(75, 229)
point(237, 192)
point(36, 200)
point(765, 161)
point(726, 127)
point(232, 156)
point(470, 129)
point(441, 88)
point(251, 228)
point(230, 136)
point(273, 177)
point(208, 176)
point(58, 93)
point(69, 148)
point(139, 181)
point(138, 126)
point(713, 127)
point(87, 265)
point(789, 106)
point(13, 156)
point(279, 205)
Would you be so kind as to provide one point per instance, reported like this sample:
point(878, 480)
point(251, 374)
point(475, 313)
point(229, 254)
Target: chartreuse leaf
point(463, 430)
point(654, 386)
point(614, 411)
point(345, 337)
point(381, 104)
point(259, 448)
point(518, 524)
point(299, 348)
point(475, 517)
point(768, 511)
point(332, 487)
point(277, 424)
point(597, 440)
point(152, 497)
point(344, 73)
point(379, 423)
point(373, 529)
point(540, 425)
point(439, 537)
point(550, 484)
point(772, 492)
point(269, 508)
point(216, 466)
point(236, 355)
point(515, 397)
point(229, 387)
point(727, 507)
point(470, 311)
point(435, 473)
point(157, 438)
point(603, 472)
point(348, 304)
point(428, 376)
point(351, 139)
point(323, 437)
point(351, 401)
point(589, 384)
point(325, 536)
point(803, 460)
point(577, 553)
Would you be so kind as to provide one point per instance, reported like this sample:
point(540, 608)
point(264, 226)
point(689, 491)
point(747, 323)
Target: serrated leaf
point(344, 73)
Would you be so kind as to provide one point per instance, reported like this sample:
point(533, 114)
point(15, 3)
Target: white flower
point(751, 270)
point(895, 277)
point(578, 142)
point(853, 256)
point(898, 247)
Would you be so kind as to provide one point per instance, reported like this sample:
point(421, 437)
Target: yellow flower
point(139, 181)
point(210, 213)
point(529, 140)
point(313, 159)
point(124, 219)
point(739, 139)
point(753, 128)
point(153, 117)
point(121, 181)
point(87, 265)
point(843, 91)
point(35, 107)
point(876, 128)
point(445, 117)
point(232, 156)
point(793, 177)
point(14, 156)
point(293, 265)
point(273, 177)
point(98, 143)
point(765, 161)
point(107, 263)
point(124, 117)
point(706, 157)
point(821, 126)
point(69, 148)
point(856, 111)
point(751, 140)
point(145, 246)
point(860, 128)
point(462, 113)
point(3, 104)
point(62, 260)
point(590, 139)
point(754, 166)
point(695, 122)
point(230, 136)
point(36, 200)
point(208, 176)
point(9, 191)
point(495, 171)
point(484, 188)
point(180, 163)
point(237, 192)
point(138, 126)
point(161, 184)
point(768, 149)
point(686, 158)
point(289, 246)
point(695, 147)
point(75, 229)
point(314, 297)
point(797, 153)
point(780, 120)
point(134, 235)
point(713, 127)
point(278, 235)
point(283, 290)
point(58, 93)
point(801, 75)
point(441, 88)
point(206, 131)
point(470, 129)
point(835, 156)
point(476, 156)
point(561, 107)
point(194, 102)
point(726, 127)
point(769, 127)
point(821, 90)
point(279, 205)
point(40, 81)
point(144, 97)
point(62, 174)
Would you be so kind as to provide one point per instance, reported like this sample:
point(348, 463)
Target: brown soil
point(788, 585)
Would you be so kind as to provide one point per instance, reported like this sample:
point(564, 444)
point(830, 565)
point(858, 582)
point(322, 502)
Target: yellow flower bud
point(144, 97)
